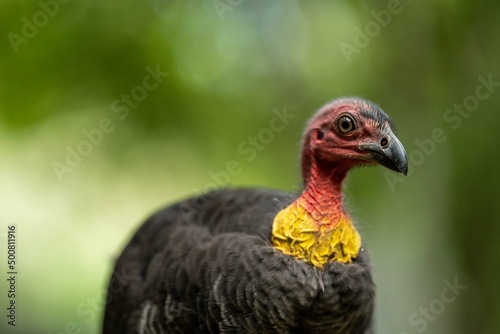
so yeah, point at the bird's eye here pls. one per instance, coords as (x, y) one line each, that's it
(345, 124)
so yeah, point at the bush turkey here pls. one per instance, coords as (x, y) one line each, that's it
(260, 260)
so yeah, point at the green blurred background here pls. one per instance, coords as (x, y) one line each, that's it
(67, 68)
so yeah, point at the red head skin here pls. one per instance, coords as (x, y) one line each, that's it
(328, 153)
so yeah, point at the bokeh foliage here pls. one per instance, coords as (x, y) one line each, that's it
(229, 67)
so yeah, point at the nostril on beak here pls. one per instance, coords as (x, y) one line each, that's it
(384, 142)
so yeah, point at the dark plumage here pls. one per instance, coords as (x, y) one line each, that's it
(213, 264)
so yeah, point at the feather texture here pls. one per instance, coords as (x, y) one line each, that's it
(206, 265)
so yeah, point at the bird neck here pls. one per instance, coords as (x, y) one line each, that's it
(322, 196)
(315, 227)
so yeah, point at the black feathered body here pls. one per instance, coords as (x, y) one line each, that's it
(207, 265)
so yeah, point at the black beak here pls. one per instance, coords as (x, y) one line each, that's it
(389, 152)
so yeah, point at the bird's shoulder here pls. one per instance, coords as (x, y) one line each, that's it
(239, 210)
(216, 217)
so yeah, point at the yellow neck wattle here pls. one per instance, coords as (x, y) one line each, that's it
(295, 232)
